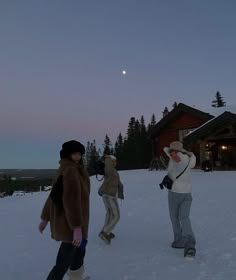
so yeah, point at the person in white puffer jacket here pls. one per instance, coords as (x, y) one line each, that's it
(180, 197)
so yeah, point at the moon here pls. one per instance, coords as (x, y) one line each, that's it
(124, 72)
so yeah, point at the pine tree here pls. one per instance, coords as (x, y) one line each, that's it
(130, 143)
(143, 146)
(152, 123)
(119, 151)
(165, 112)
(175, 104)
(219, 101)
(119, 147)
(131, 128)
(124, 161)
(116, 150)
(92, 156)
(137, 145)
(149, 141)
(142, 126)
(137, 128)
(107, 146)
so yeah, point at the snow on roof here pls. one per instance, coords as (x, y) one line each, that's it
(196, 129)
(216, 112)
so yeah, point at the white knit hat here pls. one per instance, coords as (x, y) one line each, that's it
(113, 157)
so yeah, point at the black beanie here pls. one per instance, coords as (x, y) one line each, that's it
(71, 147)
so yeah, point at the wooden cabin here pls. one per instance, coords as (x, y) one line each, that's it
(210, 138)
(217, 141)
(175, 126)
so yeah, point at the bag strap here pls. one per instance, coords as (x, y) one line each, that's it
(98, 178)
(183, 171)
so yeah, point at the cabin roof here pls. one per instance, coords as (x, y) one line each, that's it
(181, 108)
(211, 126)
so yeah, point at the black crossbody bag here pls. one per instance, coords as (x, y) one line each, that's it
(167, 182)
(56, 194)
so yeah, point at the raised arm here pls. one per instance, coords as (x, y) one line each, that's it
(192, 157)
(166, 150)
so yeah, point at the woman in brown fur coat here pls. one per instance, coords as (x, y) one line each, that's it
(67, 210)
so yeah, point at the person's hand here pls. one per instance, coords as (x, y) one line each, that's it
(43, 224)
(77, 237)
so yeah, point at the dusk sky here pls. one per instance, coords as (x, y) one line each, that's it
(61, 66)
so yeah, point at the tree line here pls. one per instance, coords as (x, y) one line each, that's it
(133, 150)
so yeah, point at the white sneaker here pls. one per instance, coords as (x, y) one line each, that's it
(78, 274)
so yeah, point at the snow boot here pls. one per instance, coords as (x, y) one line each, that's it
(112, 235)
(105, 237)
(78, 274)
(189, 252)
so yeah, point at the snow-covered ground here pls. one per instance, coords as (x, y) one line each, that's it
(141, 250)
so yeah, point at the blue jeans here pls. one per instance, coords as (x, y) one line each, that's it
(69, 257)
(179, 208)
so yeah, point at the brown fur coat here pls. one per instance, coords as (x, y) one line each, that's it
(76, 191)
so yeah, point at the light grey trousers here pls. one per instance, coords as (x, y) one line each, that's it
(112, 213)
(179, 208)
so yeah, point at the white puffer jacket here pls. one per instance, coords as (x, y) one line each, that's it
(182, 184)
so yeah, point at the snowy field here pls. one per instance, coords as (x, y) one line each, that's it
(142, 249)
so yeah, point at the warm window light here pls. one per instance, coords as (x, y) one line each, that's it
(224, 147)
